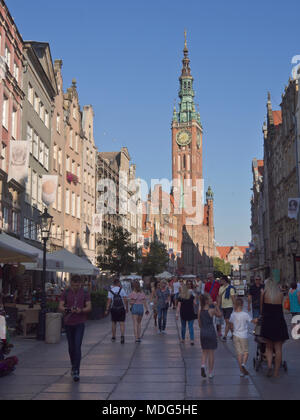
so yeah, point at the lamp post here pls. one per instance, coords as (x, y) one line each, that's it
(293, 244)
(45, 222)
(240, 267)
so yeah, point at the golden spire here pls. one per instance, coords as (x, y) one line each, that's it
(185, 43)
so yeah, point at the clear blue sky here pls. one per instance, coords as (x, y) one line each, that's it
(126, 57)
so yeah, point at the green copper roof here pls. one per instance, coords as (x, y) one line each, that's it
(187, 111)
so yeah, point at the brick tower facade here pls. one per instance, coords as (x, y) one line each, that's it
(196, 226)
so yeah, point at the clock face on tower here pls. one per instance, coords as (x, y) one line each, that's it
(183, 138)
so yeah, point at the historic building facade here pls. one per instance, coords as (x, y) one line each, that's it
(40, 90)
(273, 230)
(88, 188)
(11, 97)
(196, 224)
(58, 156)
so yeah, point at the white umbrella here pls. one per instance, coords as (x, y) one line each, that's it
(164, 275)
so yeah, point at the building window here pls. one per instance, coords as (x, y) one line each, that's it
(42, 111)
(59, 197)
(41, 154)
(73, 204)
(58, 123)
(36, 103)
(78, 209)
(14, 124)
(30, 137)
(47, 119)
(67, 201)
(74, 112)
(46, 158)
(60, 162)
(71, 139)
(73, 168)
(30, 93)
(26, 228)
(55, 157)
(35, 147)
(3, 157)
(34, 187)
(39, 189)
(16, 72)
(5, 113)
(28, 187)
(78, 172)
(77, 143)
(15, 222)
(7, 56)
(68, 164)
(67, 239)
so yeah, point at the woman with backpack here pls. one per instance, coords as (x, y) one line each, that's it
(226, 300)
(117, 303)
(137, 301)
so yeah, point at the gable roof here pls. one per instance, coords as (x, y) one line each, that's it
(277, 117)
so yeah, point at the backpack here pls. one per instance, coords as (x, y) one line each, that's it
(117, 303)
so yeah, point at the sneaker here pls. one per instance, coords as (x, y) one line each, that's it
(224, 339)
(211, 375)
(113, 339)
(203, 373)
(242, 375)
(245, 371)
(122, 340)
(76, 377)
(163, 332)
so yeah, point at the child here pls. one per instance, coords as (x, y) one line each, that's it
(208, 336)
(239, 322)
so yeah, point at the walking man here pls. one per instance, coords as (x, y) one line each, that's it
(163, 301)
(254, 297)
(117, 303)
(75, 303)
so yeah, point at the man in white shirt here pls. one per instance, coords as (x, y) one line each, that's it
(176, 288)
(117, 303)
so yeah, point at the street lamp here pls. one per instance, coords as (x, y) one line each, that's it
(45, 222)
(240, 267)
(293, 244)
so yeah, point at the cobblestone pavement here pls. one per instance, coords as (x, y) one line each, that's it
(160, 368)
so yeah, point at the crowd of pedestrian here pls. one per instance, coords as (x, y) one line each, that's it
(212, 302)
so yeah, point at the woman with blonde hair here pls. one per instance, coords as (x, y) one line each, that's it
(185, 307)
(273, 328)
(137, 301)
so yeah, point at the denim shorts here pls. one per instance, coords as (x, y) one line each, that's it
(137, 309)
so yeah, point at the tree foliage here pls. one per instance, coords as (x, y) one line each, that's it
(157, 259)
(221, 267)
(120, 253)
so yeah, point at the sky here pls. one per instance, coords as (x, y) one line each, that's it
(126, 57)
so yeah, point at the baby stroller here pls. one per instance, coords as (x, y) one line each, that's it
(7, 365)
(261, 350)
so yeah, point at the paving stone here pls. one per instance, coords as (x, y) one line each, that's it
(153, 378)
(67, 397)
(158, 396)
(77, 388)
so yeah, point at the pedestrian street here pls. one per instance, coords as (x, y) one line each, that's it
(159, 368)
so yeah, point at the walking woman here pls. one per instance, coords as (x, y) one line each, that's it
(155, 287)
(185, 307)
(163, 301)
(137, 301)
(208, 336)
(273, 328)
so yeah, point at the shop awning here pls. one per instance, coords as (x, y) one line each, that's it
(36, 254)
(74, 264)
(12, 252)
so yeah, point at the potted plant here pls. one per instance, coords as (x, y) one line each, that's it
(98, 300)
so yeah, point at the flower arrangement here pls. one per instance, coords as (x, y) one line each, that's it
(8, 365)
(72, 178)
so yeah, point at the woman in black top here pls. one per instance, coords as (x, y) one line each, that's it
(187, 312)
(273, 328)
